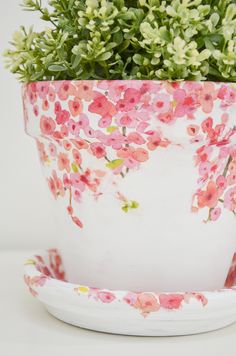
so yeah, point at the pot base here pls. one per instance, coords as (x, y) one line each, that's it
(124, 312)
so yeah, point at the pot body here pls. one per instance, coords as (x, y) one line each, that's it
(142, 176)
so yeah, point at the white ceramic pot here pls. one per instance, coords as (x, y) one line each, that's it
(143, 178)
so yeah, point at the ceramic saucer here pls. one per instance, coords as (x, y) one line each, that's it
(125, 312)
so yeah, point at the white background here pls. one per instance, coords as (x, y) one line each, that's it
(24, 215)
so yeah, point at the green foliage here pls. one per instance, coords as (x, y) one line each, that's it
(145, 39)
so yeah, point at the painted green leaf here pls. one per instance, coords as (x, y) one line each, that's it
(125, 208)
(75, 168)
(115, 163)
(111, 129)
(134, 204)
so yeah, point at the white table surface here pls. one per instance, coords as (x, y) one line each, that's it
(27, 329)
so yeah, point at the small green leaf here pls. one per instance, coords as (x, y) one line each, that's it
(75, 168)
(115, 163)
(111, 129)
(104, 56)
(56, 68)
(118, 38)
(138, 59)
(125, 208)
(134, 204)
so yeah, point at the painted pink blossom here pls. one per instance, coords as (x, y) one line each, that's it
(228, 95)
(67, 145)
(198, 296)
(231, 179)
(57, 107)
(105, 297)
(56, 185)
(135, 137)
(45, 105)
(208, 197)
(42, 153)
(215, 214)
(47, 125)
(66, 181)
(161, 103)
(98, 149)
(32, 93)
(36, 110)
(102, 106)
(52, 150)
(83, 121)
(150, 86)
(130, 162)
(105, 121)
(51, 94)
(230, 199)
(167, 117)
(186, 103)
(130, 298)
(115, 140)
(142, 126)
(63, 162)
(207, 97)
(75, 107)
(207, 125)
(221, 182)
(193, 130)
(62, 117)
(77, 156)
(125, 152)
(35, 281)
(126, 120)
(76, 195)
(77, 182)
(232, 166)
(114, 89)
(42, 89)
(146, 303)
(84, 90)
(64, 131)
(140, 155)
(204, 168)
(77, 221)
(171, 301)
(80, 144)
(73, 127)
(65, 89)
(155, 140)
(89, 132)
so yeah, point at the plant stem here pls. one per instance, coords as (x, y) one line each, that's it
(227, 166)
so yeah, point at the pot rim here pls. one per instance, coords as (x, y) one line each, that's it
(130, 80)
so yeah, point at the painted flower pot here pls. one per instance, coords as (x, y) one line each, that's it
(142, 176)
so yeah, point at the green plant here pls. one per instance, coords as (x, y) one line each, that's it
(145, 39)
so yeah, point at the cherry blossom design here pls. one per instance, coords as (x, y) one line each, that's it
(121, 125)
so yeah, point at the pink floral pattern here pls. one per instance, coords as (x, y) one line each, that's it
(123, 124)
(34, 282)
(51, 267)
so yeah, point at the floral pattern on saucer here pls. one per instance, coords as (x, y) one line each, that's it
(50, 268)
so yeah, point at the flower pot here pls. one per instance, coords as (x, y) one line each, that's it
(142, 176)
